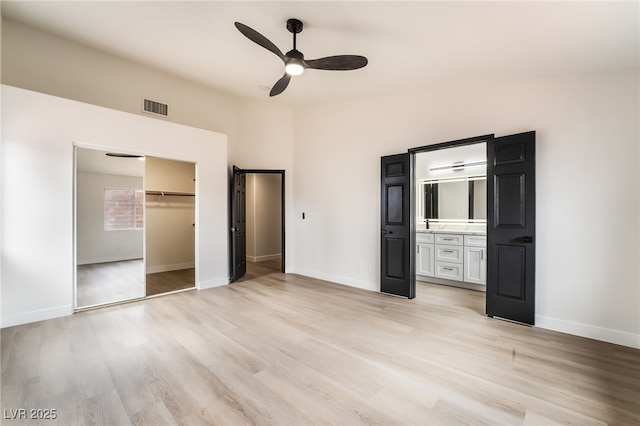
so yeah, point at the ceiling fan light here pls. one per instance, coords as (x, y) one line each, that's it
(294, 68)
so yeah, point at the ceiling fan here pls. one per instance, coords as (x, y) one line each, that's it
(294, 61)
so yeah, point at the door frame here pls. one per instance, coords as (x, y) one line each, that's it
(436, 147)
(280, 172)
(452, 144)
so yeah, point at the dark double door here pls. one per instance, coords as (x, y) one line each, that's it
(510, 227)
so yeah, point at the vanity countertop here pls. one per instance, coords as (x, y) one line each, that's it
(447, 231)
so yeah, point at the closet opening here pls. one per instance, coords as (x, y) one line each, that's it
(134, 227)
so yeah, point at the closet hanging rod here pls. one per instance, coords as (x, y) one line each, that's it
(178, 194)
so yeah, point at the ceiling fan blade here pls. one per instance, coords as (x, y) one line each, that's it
(280, 85)
(258, 38)
(338, 63)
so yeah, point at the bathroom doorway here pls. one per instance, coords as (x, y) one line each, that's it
(451, 215)
(507, 251)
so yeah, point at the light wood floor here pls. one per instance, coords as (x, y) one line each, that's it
(101, 283)
(164, 282)
(259, 269)
(289, 350)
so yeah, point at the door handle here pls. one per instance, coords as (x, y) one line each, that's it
(527, 239)
(385, 232)
(235, 229)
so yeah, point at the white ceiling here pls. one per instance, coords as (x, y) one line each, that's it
(410, 45)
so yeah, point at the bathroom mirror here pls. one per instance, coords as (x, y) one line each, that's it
(455, 200)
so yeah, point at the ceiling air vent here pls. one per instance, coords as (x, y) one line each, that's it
(153, 107)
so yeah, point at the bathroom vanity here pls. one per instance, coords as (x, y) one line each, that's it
(451, 241)
(456, 258)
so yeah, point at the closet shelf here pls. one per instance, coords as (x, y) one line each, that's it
(173, 193)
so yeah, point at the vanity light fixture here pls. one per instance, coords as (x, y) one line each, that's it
(458, 166)
(460, 179)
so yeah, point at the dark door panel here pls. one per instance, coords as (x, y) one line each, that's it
(238, 229)
(509, 193)
(396, 267)
(511, 266)
(511, 227)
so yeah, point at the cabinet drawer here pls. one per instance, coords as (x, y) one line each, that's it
(475, 240)
(450, 239)
(422, 237)
(449, 271)
(449, 253)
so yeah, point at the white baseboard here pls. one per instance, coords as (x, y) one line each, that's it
(218, 282)
(577, 329)
(255, 259)
(108, 259)
(35, 316)
(166, 268)
(592, 332)
(365, 285)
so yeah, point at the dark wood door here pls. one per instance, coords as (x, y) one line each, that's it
(397, 274)
(511, 201)
(238, 219)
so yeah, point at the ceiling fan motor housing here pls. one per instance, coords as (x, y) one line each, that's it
(294, 25)
(295, 53)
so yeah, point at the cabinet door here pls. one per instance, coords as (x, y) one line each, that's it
(475, 265)
(424, 260)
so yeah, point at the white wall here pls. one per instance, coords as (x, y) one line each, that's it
(588, 186)
(265, 135)
(94, 244)
(38, 135)
(170, 234)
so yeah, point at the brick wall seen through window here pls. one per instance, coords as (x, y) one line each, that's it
(123, 209)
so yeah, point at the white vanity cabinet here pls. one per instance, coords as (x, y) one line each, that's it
(425, 255)
(452, 257)
(475, 259)
(449, 256)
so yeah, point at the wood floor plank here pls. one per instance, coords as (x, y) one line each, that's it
(282, 349)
